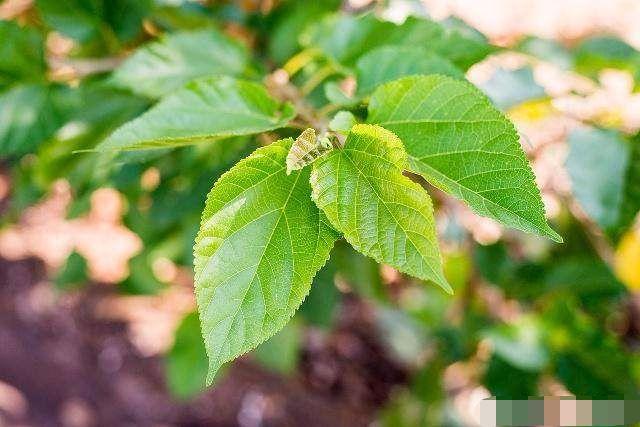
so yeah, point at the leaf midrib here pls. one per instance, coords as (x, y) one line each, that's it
(435, 274)
(141, 144)
(235, 315)
(450, 181)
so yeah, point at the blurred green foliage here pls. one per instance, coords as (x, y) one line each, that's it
(572, 323)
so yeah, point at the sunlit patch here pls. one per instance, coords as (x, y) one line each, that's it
(627, 260)
(45, 233)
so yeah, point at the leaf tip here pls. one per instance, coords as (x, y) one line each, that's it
(445, 285)
(211, 375)
(554, 236)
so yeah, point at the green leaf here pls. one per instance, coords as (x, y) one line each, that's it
(604, 168)
(92, 113)
(342, 122)
(631, 197)
(598, 53)
(462, 44)
(163, 66)
(291, 20)
(579, 345)
(260, 243)
(204, 110)
(29, 116)
(520, 343)
(345, 38)
(403, 335)
(182, 16)
(281, 352)
(586, 277)
(389, 63)
(320, 307)
(382, 213)
(548, 50)
(360, 273)
(21, 53)
(73, 273)
(85, 20)
(597, 164)
(336, 96)
(141, 279)
(509, 88)
(125, 16)
(73, 18)
(461, 144)
(507, 381)
(186, 362)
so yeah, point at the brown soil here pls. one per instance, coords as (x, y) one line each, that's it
(74, 369)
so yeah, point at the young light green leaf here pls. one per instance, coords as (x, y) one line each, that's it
(388, 63)
(463, 145)
(205, 110)
(163, 66)
(306, 149)
(337, 96)
(342, 122)
(260, 243)
(382, 213)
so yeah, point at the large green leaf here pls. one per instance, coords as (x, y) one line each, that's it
(29, 116)
(21, 53)
(460, 143)
(601, 169)
(163, 66)
(204, 110)
(345, 38)
(382, 213)
(389, 63)
(92, 112)
(260, 243)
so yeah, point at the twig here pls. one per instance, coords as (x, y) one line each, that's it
(65, 69)
(279, 87)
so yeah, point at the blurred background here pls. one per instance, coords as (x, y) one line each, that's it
(97, 322)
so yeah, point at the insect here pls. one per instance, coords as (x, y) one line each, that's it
(307, 148)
